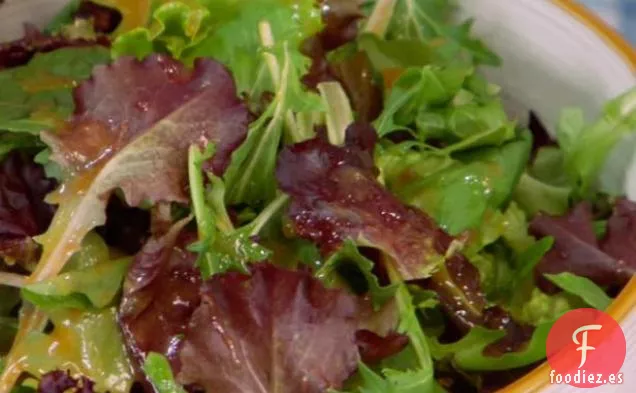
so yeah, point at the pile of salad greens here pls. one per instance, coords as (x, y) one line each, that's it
(301, 196)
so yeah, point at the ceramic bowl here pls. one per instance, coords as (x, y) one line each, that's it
(556, 54)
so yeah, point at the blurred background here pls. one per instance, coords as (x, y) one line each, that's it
(619, 13)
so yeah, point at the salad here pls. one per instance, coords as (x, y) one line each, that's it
(296, 196)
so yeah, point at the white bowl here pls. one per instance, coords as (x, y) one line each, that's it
(556, 54)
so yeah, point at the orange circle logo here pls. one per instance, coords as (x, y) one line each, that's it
(586, 348)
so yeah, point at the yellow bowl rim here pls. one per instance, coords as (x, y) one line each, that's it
(539, 378)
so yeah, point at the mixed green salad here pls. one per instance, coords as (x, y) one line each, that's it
(288, 196)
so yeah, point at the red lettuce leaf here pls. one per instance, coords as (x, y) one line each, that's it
(576, 249)
(620, 239)
(19, 52)
(23, 212)
(62, 382)
(274, 331)
(120, 102)
(335, 196)
(160, 294)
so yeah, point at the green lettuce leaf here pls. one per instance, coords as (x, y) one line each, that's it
(536, 196)
(176, 27)
(427, 20)
(582, 287)
(539, 307)
(159, 373)
(87, 343)
(37, 96)
(89, 288)
(586, 147)
(457, 193)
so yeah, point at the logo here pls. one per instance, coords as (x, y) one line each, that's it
(586, 348)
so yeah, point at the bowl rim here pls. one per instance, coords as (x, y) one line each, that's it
(539, 378)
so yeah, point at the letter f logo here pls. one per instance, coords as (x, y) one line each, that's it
(584, 348)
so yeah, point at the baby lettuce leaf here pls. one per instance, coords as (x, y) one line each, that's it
(87, 343)
(274, 330)
(85, 289)
(132, 128)
(160, 294)
(38, 96)
(587, 146)
(158, 371)
(583, 288)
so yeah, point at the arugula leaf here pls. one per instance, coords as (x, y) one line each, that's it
(586, 147)
(468, 353)
(92, 287)
(419, 375)
(89, 343)
(394, 54)
(394, 381)
(448, 104)
(220, 246)
(37, 96)
(427, 20)
(417, 88)
(159, 373)
(335, 269)
(582, 287)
